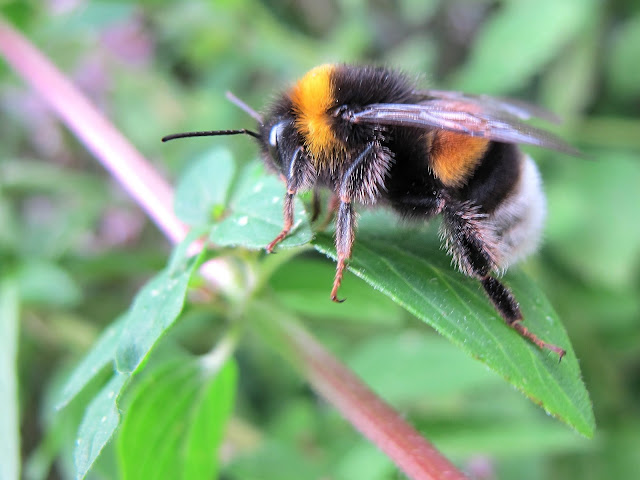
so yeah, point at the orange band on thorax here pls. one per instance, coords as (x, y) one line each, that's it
(312, 98)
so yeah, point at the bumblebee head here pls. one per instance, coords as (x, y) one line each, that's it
(278, 138)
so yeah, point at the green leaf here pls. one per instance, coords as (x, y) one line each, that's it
(59, 428)
(45, 283)
(203, 189)
(155, 309)
(176, 420)
(275, 460)
(98, 425)
(571, 225)
(101, 354)
(623, 73)
(504, 56)
(129, 340)
(10, 417)
(10, 229)
(255, 214)
(417, 275)
(31, 176)
(364, 460)
(379, 360)
(504, 438)
(303, 286)
(576, 67)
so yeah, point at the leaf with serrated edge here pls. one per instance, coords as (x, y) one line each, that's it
(301, 285)
(379, 359)
(419, 277)
(154, 310)
(204, 187)
(129, 340)
(104, 349)
(98, 425)
(255, 214)
(100, 355)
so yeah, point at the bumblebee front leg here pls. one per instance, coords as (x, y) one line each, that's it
(345, 228)
(475, 249)
(300, 175)
(288, 220)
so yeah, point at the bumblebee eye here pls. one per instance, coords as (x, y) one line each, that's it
(274, 134)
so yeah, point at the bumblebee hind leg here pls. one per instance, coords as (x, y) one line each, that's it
(475, 248)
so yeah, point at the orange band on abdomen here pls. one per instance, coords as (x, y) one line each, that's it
(454, 156)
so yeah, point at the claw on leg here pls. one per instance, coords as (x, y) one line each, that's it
(281, 236)
(338, 280)
(345, 226)
(524, 331)
(508, 307)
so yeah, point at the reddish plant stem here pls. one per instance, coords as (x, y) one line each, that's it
(367, 412)
(358, 404)
(100, 137)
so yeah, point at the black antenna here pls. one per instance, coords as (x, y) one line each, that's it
(211, 133)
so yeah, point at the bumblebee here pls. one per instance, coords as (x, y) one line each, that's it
(371, 137)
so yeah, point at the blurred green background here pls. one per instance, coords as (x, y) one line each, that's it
(80, 248)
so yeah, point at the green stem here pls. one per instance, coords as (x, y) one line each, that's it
(213, 361)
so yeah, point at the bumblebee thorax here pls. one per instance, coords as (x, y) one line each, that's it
(313, 98)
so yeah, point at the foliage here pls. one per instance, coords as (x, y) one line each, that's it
(182, 369)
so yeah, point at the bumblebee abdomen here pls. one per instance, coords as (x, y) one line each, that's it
(454, 156)
(494, 178)
(519, 219)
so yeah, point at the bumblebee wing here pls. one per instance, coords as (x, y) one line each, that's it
(456, 116)
(518, 108)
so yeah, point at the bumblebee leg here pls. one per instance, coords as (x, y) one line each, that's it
(315, 205)
(473, 246)
(508, 307)
(345, 223)
(345, 226)
(299, 177)
(332, 207)
(288, 220)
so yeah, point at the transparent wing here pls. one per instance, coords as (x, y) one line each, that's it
(518, 108)
(475, 119)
